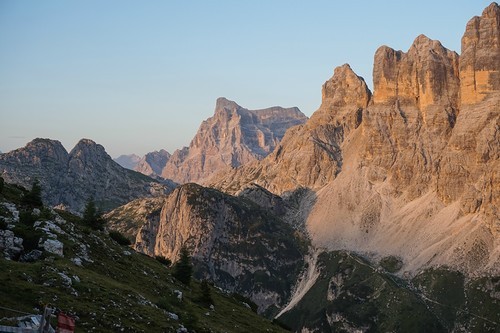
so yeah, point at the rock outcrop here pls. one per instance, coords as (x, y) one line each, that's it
(232, 137)
(153, 163)
(70, 179)
(410, 171)
(235, 243)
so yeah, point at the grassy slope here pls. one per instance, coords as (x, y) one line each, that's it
(117, 292)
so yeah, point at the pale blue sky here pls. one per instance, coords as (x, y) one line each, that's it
(138, 76)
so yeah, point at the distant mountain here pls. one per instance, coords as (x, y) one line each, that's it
(70, 179)
(153, 163)
(232, 137)
(128, 161)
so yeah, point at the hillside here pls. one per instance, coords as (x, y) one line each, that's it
(105, 286)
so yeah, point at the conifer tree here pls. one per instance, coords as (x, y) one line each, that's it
(34, 197)
(206, 295)
(183, 268)
(91, 216)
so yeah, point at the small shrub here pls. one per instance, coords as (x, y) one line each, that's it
(164, 304)
(165, 261)
(247, 300)
(119, 238)
(46, 214)
(27, 218)
(391, 264)
(30, 236)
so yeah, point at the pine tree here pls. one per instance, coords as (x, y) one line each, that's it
(206, 295)
(92, 217)
(183, 268)
(34, 197)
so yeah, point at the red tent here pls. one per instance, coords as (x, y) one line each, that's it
(65, 323)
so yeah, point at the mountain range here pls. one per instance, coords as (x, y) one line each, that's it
(379, 213)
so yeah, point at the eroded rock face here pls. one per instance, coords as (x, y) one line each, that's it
(427, 75)
(479, 69)
(232, 137)
(71, 179)
(238, 245)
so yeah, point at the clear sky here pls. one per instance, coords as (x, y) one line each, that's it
(138, 76)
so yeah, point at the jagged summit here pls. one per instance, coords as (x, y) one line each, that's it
(88, 149)
(492, 11)
(345, 88)
(479, 69)
(224, 103)
(233, 136)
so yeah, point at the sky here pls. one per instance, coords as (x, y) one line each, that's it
(139, 76)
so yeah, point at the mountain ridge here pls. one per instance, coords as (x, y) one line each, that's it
(70, 179)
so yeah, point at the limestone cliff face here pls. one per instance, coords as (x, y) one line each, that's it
(71, 179)
(470, 166)
(153, 163)
(232, 137)
(479, 69)
(237, 244)
(411, 171)
(427, 75)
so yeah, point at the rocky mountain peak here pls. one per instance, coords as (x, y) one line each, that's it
(425, 76)
(492, 11)
(88, 146)
(44, 149)
(223, 103)
(345, 88)
(128, 161)
(479, 69)
(233, 136)
(153, 163)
